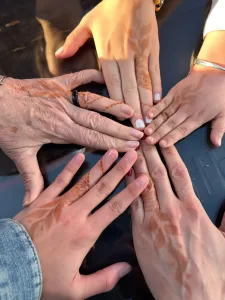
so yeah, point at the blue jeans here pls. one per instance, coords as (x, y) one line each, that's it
(20, 270)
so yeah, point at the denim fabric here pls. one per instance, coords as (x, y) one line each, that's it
(20, 270)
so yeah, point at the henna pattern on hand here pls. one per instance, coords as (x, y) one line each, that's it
(86, 99)
(163, 228)
(139, 42)
(48, 214)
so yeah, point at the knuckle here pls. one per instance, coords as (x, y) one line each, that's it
(140, 160)
(120, 168)
(114, 81)
(95, 121)
(130, 87)
(59, 181)
(183, 130)
(159, 172)
(103, 188)
(115, 207)
(178, 172)
(165, 115)
(171, 124)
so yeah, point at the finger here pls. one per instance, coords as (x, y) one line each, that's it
(102, 281)
(179, 133)
(28, 168)
(90, 179)
(178, 174)
(63, 179)
(222, 226)
(173, 122)
(159, 176)
(130, 92)
(99, 103)
(109, 182)
(149, 198)
(74, 41)
(96, 122)
(137, 208)
(161, 119)
(218, 129)
(111, 75)
(79, 78)
(161, 106)
(154, 71)
(118, 204)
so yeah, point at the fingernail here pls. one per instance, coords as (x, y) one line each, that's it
(163, 143)
(141, 181)
(147, 120)
(125, 271)
(79, 157)
(127, 110)
(132, 144)
(157, 97)
(59, 51)
(137, 134)
(137, 148)
(112, 153)
(26, 199)
(140, 124)
(129, 173)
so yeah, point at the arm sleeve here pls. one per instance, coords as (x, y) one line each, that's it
(216, 17)
(20, 271)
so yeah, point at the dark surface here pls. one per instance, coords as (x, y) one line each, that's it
(22, 55)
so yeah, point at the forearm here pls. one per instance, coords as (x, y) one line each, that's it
(20, 272)
(213, 48)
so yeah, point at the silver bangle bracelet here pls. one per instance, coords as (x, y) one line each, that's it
(205, 63)
(2, 78)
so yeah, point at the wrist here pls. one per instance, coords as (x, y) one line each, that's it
(213, 48)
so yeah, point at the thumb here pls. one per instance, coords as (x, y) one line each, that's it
(33, 181)
(104, 280)
(74, 41)
(218, 129)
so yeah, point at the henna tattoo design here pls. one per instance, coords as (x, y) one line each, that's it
(139, 41)
(86, 99)
(162, 227)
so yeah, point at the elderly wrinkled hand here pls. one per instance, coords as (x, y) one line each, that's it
(35, 112)
(180, 251)
(126, 38)
(64, 229)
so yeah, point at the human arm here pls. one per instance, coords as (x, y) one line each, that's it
(180, 251)
(35, 112)
(59, 231)
(127, 43)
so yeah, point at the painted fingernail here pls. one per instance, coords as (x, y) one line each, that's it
(132, 144)
(141, 181)
(129, 173)
(59, 51)
(157, 97)
(137, 148)
(147, 120)
(140, 124)
(136, 133)
(163, 143)
(125, 271)
(127, 110)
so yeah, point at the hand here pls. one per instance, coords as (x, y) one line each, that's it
(194, 101)
(35, 112)
(180, 251)
(71, 229)
(127, 43)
